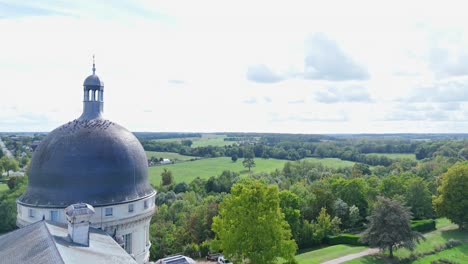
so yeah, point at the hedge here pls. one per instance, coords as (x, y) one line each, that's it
(348, 239)
(423, 225)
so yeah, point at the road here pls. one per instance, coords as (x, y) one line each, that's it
(6, 152)
(349, 257)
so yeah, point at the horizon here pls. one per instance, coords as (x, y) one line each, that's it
(337, 68)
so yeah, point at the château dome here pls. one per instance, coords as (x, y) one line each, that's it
(90, 160)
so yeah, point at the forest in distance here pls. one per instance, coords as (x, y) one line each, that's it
(318, 205)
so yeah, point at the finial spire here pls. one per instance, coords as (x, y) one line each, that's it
(94, 66)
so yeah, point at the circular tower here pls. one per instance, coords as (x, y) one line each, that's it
(95, 161)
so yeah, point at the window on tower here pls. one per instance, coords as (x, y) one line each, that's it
(131, 208)
(108, 211)
(31, 213)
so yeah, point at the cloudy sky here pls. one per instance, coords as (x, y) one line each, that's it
(248, 66)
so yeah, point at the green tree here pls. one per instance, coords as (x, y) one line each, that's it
(234, 158)
(391, 186)
(290, 204)
(187, 142)
(250, 225)
(325, 226)
(418, 198)
(452, 200)
(354, 216)
(390, 227)
(248, 163)
(9, 164)
(166, 177)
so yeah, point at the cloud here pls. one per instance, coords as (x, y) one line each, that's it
(177, 82)
(296, 101)
(450, 90)
(263, 74)
(445, 63)
(311, 117)
(15, 11)
(251, 100)
(325, 60)
(343, 94)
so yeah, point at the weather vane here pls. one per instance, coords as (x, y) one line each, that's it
(94, 66)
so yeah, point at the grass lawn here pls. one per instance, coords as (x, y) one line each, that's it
(3, 187)
(203, 141)
(327, 253)
(445, 231)
(205, 168)
(168, 155)
(458, 254)
(410, 156)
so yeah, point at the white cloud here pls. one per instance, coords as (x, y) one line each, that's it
(182, 66)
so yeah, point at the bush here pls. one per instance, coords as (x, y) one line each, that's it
(192, 250)
(348, 239)
(205, 248)
(423, 225)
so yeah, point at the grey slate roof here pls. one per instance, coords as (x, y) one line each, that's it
(31, 244)
(43, 242)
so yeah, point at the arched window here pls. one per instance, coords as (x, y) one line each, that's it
(96, 95)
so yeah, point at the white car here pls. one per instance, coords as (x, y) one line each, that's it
(222, 260)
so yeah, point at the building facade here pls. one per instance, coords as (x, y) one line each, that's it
(95, 161)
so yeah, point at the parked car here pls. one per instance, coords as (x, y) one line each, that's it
(222, 260)
(178, 259)
(213, 256)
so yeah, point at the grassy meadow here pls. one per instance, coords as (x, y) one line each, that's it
(445, 231)
(168, 155)
(205, 168)
(203, 141)
(327, 253)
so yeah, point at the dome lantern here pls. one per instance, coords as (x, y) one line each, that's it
(93, 96)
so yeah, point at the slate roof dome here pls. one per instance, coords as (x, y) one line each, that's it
(93, 80)
(90, 160)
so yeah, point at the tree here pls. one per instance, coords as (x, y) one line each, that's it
(354, 216)
(390, 227)
(452, 200)
(234, 158)
(325, 226)
(290, 204)
(9, 164)
(418, 198)
(187, 142)
(167, 178)
(248, 163)
(250, 225)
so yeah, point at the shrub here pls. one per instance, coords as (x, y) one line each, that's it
(348, 239)
(423, 225)
(452, 243)
(205, 248)
(191, 250)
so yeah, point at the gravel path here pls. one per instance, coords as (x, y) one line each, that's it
(366, 252)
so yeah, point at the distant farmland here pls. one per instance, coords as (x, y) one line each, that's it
(205, 168)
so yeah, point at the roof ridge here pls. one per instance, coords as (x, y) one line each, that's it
(53, 240)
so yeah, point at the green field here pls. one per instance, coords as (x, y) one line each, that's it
(327, 253)
(203, 141)
(205, 168)
(410, 156)
(168, 155)
(445, 231)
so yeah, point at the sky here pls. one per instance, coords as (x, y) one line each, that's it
(311, 67)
